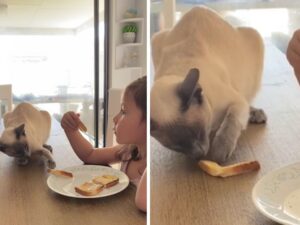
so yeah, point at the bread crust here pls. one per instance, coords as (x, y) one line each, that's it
(214, 169)
(82, 127)
(106, 180)
(89, 189)
(61, 173)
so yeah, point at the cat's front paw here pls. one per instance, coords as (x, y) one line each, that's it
(221, 149)
(48, 147)
(51, 164)
(257, 116)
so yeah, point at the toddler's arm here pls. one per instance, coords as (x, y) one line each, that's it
(82, 147)
(141, 193)
(293, 53)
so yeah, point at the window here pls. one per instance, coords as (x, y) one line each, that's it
(47, 54)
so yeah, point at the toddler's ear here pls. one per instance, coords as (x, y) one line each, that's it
(20, 131)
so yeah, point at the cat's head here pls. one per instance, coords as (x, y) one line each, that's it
(13, 142)
(180, 114)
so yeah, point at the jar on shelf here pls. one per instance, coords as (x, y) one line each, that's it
(134, 58)
(131, 58)
(130, 13)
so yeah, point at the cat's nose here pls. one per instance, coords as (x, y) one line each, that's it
(20, 153)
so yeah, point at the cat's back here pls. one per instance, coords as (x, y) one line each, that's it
(200, 35)
(25, 109)
(26, 112)
(201, 24)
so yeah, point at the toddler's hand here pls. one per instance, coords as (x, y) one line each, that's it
(293, 53)
(70, 121)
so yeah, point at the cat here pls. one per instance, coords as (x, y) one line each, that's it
(206, 75)
(26, 132)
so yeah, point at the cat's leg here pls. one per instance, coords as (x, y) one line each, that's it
(257, 115)
(224, 142)
(49, 147)
(45, 153)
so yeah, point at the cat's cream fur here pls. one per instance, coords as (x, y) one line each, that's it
(206, 74)
(26, 132)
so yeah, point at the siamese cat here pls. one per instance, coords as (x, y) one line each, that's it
(26, 132)
(206, 75)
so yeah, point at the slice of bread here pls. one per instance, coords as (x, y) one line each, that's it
(61, 173)
(89, 189)
(82, 127)
(106, 180)
(214, 169)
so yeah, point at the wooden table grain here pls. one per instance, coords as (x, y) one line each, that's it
(183, 194)
(25, 198)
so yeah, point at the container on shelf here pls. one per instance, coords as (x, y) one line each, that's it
(130, 13)
(129, 37)
(129, 32)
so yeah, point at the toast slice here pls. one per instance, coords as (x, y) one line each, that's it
(61, 173)
(89, 189)
(214, 169)
(82, 127)
(106, 180)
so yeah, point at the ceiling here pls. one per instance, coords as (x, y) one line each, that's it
(45, 14)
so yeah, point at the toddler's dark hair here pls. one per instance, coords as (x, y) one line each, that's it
(138, 89)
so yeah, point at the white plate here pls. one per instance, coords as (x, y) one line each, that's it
(84, 173)
(277, 195)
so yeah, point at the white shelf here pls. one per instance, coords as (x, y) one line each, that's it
(129, 44)
(130, 68)
(127, 60)
(129, 20)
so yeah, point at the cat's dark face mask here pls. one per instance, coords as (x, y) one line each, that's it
(18, 150)
(182, 137)
(17, 145)
(188, 132)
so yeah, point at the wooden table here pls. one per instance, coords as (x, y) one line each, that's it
(182, 194)
(25, 198)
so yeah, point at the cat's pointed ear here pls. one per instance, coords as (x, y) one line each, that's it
(189, 90)
(20, 131)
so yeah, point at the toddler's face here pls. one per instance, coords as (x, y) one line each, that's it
(129, 127)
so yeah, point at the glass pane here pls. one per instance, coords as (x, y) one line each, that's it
(47, 54)
(101, 71)
(274, 20)
(3, 108)
(155, 16)
(156, 23)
